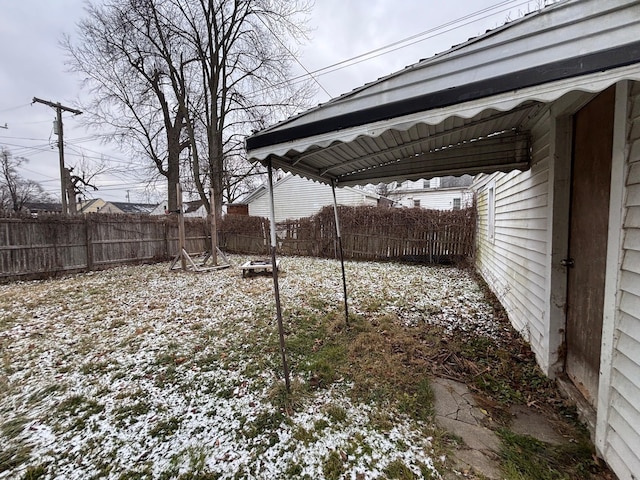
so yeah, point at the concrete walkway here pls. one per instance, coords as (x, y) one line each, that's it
(457, 411)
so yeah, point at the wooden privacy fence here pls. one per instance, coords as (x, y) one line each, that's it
(49, 245)
(368, 233)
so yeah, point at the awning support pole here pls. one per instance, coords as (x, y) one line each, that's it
(276, 286)
(344, 278)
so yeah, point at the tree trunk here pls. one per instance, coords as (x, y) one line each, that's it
(173, 179)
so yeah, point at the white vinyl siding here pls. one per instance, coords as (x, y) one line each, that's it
(513, 260)
(296, 197)
(437, 199)
(623, 438)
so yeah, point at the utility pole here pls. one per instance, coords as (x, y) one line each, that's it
(59, 108)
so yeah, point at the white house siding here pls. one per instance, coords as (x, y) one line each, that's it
(296, 197)
(514, 263)
(622, 446)
(438, 199)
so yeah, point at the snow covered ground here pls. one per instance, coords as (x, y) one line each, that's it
(138, 372)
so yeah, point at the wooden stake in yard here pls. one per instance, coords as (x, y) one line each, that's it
(181, 232)
(344, 278)
(214, 228)
(185, 259)
(276, 287)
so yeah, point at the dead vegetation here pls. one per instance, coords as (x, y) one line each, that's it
(163, 374)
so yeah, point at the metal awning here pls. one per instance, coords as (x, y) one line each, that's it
(481, 136)
(467, 110)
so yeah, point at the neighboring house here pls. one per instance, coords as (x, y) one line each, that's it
(194, 208)
(553, 101)
(35, 208)
(135, 208)
(297, 197)
(438, 193)
(98, 205)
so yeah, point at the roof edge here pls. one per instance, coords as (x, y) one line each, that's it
(555, 71)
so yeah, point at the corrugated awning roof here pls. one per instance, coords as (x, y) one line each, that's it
(467, 110)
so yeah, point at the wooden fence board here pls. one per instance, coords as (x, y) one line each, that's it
(35, 248)
(48, 245)
(367, 233)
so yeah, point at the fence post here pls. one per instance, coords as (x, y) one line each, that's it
(165, 224)
(88, 228)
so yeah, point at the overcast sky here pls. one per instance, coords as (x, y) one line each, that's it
(33, 65)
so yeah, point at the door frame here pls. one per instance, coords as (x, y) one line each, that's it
(560, 177)
(615, 252)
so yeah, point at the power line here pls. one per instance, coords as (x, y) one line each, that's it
(366, 55)
(11, 109)
(294, 57)
(387, 49)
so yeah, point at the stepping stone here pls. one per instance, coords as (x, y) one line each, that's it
(527, 421)
(457, 412)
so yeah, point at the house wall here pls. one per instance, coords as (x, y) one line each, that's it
(513, 256)
(298, 198)
(521, 263)
(439, 199)
(620, 439)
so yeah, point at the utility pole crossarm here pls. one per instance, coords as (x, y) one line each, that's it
(56, 106)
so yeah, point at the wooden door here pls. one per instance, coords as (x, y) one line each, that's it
(589, 223)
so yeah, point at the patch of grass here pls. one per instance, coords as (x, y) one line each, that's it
(336, 413)
(333, 466)
(117, 323)
(126, 414)
(288, 401)
(166, 376)
(320, 424)
(195, 459)
(143, 473)
(525, 458)
(301, 434)
(358, 446)
(6, 359)
(427, 473)
(265, 425)
(78, 410)
(35, 473)
(399, 470)
(315, 347)
(293, 470)
(419, 403)
(46, 391)
(200, 476)
(373, 304)
(14, 427)
(13, 456)
(94, 367)
(165, 428)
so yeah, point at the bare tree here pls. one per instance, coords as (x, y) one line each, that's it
(16, 191)
(202, 73)
(243, 62)
(124, 74)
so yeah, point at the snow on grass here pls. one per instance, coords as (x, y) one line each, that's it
(138, 372)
